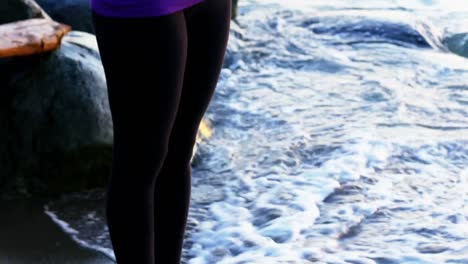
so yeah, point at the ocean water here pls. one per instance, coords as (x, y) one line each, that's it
(340, 135)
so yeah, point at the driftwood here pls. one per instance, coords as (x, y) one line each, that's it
(31, 36)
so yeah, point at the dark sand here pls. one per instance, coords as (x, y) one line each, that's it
(28, 235)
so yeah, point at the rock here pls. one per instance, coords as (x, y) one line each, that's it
(30, 36)
(234, 9)
(14, 10)
(55, 120)
(458, 44)
(76, 13)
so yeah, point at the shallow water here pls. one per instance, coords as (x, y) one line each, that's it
(340, 136)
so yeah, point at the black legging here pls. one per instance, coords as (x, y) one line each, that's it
(161, 74)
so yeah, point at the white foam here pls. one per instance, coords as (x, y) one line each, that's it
(74, 234)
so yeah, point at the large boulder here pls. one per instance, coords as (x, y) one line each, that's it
(14, 10)
(76, 13)
(55, 120)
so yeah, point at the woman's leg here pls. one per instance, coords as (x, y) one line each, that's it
(144, 61)
(208, 32)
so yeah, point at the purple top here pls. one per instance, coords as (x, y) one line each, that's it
(139, 8)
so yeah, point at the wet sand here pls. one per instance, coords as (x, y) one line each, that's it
(28, 235)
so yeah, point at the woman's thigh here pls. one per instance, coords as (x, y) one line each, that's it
(208, 25)
(144, 61)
